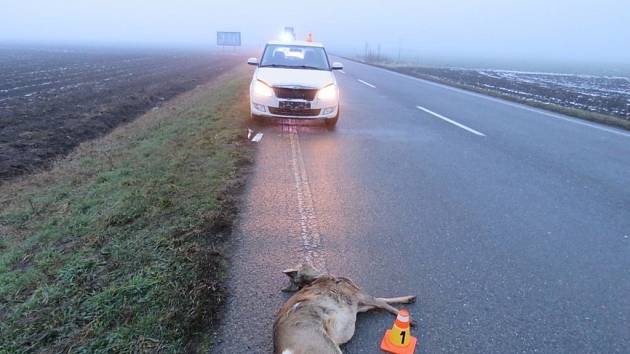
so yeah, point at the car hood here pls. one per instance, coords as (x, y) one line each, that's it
(295, 77)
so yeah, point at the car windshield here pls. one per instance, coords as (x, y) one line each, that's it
(294, 56)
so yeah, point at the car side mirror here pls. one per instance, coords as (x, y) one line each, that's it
(337, 66)
(252, 61)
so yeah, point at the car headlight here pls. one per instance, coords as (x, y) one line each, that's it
(328, 93)
(262, 90)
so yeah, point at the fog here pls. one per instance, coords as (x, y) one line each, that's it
(561, 30)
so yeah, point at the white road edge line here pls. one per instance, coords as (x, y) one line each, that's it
(508, 103)
(450, 121)
(366, 83)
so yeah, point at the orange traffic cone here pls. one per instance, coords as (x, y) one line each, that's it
(399, 340)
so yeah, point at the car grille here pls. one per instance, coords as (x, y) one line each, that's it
(294, 113)
(295, 93)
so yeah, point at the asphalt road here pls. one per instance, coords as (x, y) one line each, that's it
(510, 224)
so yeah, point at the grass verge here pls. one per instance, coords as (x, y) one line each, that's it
(574, 112)
(118, 247)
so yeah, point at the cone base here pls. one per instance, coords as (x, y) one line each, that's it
(387, 347)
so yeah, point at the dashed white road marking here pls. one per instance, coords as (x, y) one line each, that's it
(343, 72)
(508, 103)
(366, 83)
(450, 121)
(309, 229)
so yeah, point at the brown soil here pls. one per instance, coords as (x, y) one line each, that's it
(52, 100)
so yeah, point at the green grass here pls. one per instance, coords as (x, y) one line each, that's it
(118, 247)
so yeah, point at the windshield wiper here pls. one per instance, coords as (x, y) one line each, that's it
(275, 66)
(308, 67)
(291, 66)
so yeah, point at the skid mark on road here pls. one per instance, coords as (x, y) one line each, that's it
(309, 231)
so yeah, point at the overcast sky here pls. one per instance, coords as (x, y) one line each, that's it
(582, 30)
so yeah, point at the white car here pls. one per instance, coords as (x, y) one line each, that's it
(294, 80)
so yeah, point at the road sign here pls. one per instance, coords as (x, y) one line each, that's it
(229, 39)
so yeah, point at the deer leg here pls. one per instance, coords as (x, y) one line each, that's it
(365, 308)
(367, 303)
(399, 300)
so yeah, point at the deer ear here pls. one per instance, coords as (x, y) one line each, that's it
(291, 273)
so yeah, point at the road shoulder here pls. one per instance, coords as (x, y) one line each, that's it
(119, 247)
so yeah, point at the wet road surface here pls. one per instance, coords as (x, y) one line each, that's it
(510, 224)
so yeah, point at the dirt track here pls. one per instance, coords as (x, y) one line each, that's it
(51, 99)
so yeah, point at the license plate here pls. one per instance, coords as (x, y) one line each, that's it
(295, 106)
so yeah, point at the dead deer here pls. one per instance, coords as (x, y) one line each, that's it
(322, 314)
